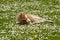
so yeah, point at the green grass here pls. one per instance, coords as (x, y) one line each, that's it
(9, 30)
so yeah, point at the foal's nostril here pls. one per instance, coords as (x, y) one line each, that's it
(23, 20)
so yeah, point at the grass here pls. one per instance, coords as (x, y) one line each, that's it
(9, 30)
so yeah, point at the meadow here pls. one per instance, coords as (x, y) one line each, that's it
(10, 30)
